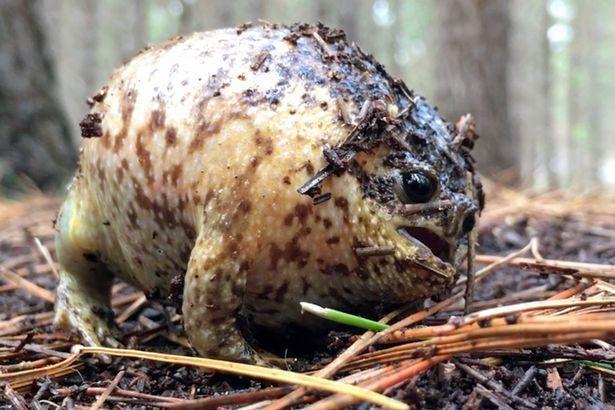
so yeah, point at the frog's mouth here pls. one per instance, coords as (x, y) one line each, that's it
(426, 238)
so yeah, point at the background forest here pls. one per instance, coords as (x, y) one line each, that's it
(537, 74)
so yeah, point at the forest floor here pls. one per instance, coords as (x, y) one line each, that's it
(557, 353)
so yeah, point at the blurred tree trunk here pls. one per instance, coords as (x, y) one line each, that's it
(529, 91)
(584, 97)
(35, 136)
(471, 74)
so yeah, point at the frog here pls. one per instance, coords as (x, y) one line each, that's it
(235, 173)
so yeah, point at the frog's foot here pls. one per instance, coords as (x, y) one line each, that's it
(84, 311)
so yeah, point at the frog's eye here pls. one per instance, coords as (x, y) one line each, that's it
(417, 187)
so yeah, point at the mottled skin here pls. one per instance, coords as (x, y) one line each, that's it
(198, 147)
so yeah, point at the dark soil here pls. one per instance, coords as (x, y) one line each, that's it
(445, 386)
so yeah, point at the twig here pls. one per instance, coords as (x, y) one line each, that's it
(368, 251)
(494, 385)
(131, 309)
(26, 285)
(47, 255)
(95, 391)
(525, 380)
(493, 397)
(471, 275)
(103, 397)
(231, 399)
(588, 270)
(380, 383)
(15, 398)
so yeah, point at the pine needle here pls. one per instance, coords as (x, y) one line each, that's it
(273, 374)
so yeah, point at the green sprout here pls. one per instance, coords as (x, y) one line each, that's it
(596, 364)
(342, 317)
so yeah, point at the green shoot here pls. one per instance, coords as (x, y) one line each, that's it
(342, 317)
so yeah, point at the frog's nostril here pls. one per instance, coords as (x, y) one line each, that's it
(468, 223)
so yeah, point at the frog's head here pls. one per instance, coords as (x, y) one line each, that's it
(421, 183)
(417, 209)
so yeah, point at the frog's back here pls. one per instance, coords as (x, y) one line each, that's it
(179, 130)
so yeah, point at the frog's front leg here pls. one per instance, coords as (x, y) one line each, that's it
(213, 297)
(82, 302)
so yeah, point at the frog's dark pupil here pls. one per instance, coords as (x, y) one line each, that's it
(417, 186)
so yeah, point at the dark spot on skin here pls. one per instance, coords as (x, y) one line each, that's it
(100, 170)
(170, 137)
(361, 273)
(265, 142)
(90, 257)
(333, 240)
(291, 252)
(176, 173)
(216, 321)
(254, 162)
(309, 168)
(244, 206)
(288, 219)
(301, 212)
(305, 285)
(144, 158)
(286, 180)
(341, 203)
(204, 130)
(127, 107)
(119, 173)
(133, 218)
(281, 291)
(337, 269)
(338, 296)
(156, 120)
(327, 223)
(266, 292)
(154, 235)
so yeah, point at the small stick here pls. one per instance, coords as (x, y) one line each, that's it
(592, 270)
(469, 294)
(15, 398)
(103, 397)
(231, 399)
(494, 385)
(494, 398)
(528, 376)
(95, 391)
(26, 285)
(375, 251)
(45, 252)
(27, 339)
(131, 309)
(410, 209)
(323, 45)
(322, 198)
